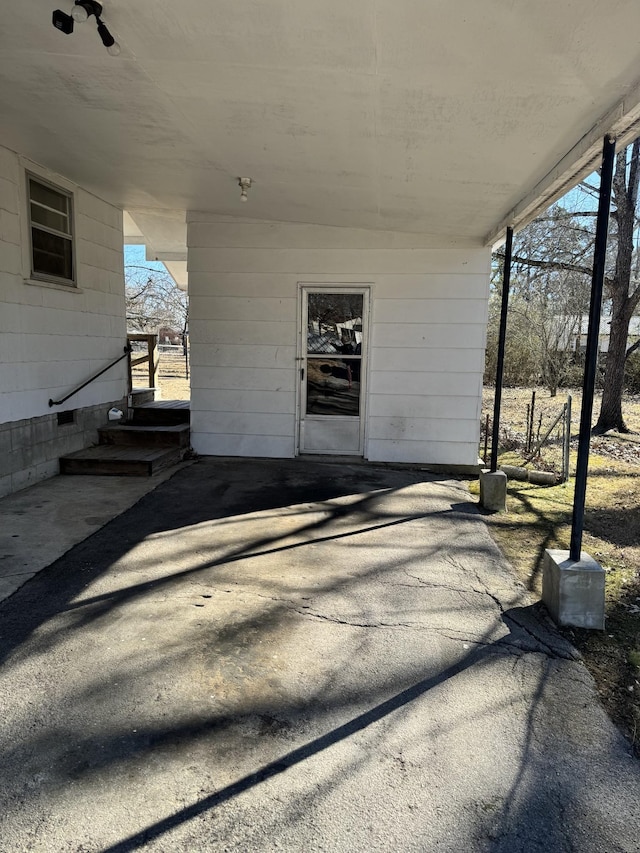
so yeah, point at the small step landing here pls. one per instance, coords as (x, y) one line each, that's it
(156, 437)
(164, 435)
(120, 460)
(162, 412)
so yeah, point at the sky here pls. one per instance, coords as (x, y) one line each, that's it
(134, 255)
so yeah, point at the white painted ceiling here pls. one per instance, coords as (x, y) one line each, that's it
(430, 116)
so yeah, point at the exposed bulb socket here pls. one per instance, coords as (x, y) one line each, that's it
(244, 184)
(82, 9)
(79, 14)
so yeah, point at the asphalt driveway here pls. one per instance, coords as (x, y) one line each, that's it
(300, 656)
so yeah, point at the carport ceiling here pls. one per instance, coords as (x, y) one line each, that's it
(426, 116)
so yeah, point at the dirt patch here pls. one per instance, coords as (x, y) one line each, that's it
(172, 376)
(539, 517)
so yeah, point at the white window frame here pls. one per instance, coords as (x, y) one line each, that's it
(59, 184)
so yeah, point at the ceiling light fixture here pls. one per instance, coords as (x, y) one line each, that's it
(81, 11)
(244, 184)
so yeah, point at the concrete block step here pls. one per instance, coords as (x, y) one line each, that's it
(168, 435)
(121, 461)
(162, 412)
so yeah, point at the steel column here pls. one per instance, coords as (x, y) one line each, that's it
(506, 280)
(597, 281)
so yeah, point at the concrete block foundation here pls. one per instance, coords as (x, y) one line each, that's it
(573, 590)
(30, 449)
(493, 490)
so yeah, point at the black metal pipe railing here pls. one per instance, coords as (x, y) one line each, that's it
(127, 350)
(597, 282)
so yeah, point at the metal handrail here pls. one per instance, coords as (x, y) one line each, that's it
(127, 350)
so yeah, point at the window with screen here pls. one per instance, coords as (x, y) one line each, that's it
(51, 227)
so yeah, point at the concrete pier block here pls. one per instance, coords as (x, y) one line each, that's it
(493, 490)
(573, 590)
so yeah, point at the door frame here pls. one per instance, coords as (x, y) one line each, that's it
(305, 287)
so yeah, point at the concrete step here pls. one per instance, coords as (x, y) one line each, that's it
(162, 413)
(171, 435)
(120, 460)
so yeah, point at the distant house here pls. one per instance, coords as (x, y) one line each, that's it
(579, 338)
(167, 335)
(381, 150)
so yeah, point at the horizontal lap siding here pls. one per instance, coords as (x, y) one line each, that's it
(426, 359)
(451, 335)
(222, 233)
(426, 368)
(243, 347)
(237, 400)
(394, 428)
(335, 262)
(245, 378)
(400, 383)
(247, 333)
(428, 310)
(247, 308)
(210, 443)
(426, 406)
(419, 360)
(53, 339)
(427, 452)
(238, 355)
(251, 423)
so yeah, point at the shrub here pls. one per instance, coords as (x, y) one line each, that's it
(632, 374)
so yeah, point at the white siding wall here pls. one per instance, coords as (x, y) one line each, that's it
(52, 338)
(429, 315)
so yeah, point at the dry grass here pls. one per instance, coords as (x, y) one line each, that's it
(172, 379)
(539, 517)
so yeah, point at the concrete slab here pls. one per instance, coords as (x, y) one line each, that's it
(289, 655)
(39, 524)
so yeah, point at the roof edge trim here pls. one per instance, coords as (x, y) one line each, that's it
(623, 121)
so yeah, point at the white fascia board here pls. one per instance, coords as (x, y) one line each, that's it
(152, 255)
(133, 236)
(168, 256)
(175, 264)
(622, 121)
(178, 272)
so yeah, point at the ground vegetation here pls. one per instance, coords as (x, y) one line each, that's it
(539, 517)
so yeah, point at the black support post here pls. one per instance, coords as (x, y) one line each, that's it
(597, 281)
(506, 279)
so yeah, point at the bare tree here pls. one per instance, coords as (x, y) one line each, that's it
(552, 264)
(153, 300)
(624, 293)
(549, 296)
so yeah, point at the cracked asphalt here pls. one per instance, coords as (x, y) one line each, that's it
(303, 656)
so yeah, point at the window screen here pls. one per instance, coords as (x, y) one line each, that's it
(51, 215)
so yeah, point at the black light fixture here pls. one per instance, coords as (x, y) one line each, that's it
(82, 10)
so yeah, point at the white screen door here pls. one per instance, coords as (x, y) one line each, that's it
(332, 373)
